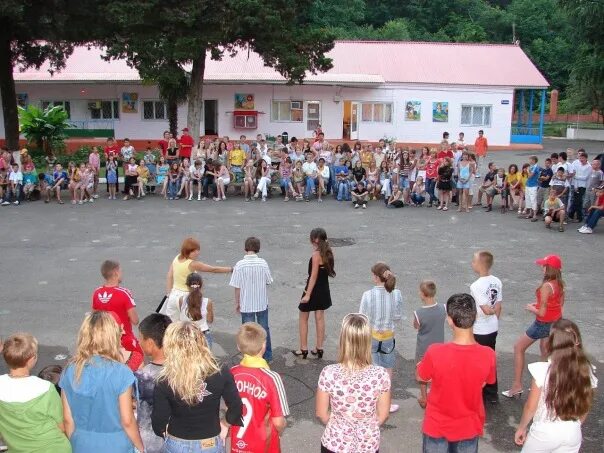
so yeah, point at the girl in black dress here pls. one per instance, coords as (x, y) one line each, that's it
(316, 296)
(444, 183)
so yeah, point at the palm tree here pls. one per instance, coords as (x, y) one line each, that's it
(46, 128)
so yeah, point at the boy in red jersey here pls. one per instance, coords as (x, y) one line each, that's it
(262, 394)
(112, 297)
(458, 371)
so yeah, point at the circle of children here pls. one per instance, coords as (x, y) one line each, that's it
(177, 394)
(559, 189)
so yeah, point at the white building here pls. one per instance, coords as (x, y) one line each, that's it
(404, 90)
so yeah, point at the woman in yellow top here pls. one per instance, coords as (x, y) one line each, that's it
(142, 178)
(176, 281)
(367, 157)
(515, 186)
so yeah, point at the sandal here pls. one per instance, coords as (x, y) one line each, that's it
(445, 208)
(510, 394)
(301, 353)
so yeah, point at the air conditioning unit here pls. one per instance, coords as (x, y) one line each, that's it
(94, 105)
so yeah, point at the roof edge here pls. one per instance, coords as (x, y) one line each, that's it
(426, 43)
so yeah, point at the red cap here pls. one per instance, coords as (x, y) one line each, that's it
(550, 260)
(185, 129)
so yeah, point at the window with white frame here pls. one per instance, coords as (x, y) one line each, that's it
(65, 104)
(104, 110)
(154, 110)
(376, 112)
(290, 111)
(476, 115)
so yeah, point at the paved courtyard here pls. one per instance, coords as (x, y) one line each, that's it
(51, 256)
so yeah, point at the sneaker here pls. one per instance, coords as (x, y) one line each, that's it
(587, 230)
(80, 202)
(224, 197)
(582, 228)
(356, 206)
(364, 206)
(203, 198)
(263, 198)
(5, 203)
(95, 196)
(286, 199)
(320, 200)
(190, 197)
(16, 203)
(91, 201)
(198, 197)
(393, 408)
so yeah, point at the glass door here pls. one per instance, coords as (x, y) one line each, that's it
(313, 116)
(354, 120)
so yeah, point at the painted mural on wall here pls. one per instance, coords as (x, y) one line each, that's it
(244, 101)
(129, 102)
(440, 112)
(413, 111)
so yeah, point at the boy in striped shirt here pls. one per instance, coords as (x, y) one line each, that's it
(262, 394)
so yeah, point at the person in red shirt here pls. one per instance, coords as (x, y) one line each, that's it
(112, 297)
(163, 143)
(481, 146)
(186, 144)
(262, 394)
(547, 309)
(444, 152)
(431, 176)
(458, 371)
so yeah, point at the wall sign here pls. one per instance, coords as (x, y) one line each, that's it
(440, 112)
(244, 101)
(413, 111)
(505, 101)
(129, 102)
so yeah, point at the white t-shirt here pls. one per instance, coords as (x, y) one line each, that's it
(309, 168)
(540, 372)
(486, 291)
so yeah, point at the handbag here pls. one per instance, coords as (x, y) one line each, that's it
(161, 305)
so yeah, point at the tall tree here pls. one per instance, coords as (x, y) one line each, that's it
(185, 32)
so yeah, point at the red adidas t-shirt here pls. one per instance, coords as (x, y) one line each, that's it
(262, 393)
(118, 300)
(186, 145)
(432, 169)
(455, 408)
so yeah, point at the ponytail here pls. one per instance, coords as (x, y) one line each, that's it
(319, 236)
(195, 297)
(383, 272)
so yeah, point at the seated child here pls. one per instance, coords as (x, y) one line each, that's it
(46, 185)
(31, 413)
(418, 194)
(360, 195)
(553, 211)
(151, 336)
(262, 393)
(15, 184)
(60, 180)
(142, 178)
(396, 199)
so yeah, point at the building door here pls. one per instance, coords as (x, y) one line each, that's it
(210, 117)
(355, 108)
(313, 116)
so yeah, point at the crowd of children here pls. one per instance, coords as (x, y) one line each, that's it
(108, 399)
(433, 177)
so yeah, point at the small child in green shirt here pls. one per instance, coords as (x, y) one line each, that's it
(31, 413)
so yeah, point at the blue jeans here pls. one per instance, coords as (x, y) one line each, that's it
(442, 445)
(593, 217)
(310, 186)
(176, 445)
(173, 187)
(261, 317)
(343, 191)
(417, 198)
(285, 182)
(430, 186)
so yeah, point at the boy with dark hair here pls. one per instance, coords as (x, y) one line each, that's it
(545, 177)
(360, 196)
(458, 371)
(262, 393)
(250, 279)
(151, 334)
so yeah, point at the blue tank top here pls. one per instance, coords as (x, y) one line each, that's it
(464, 172)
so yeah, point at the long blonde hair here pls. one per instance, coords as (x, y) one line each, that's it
(188, 363)
(99, 335)
(354, 351)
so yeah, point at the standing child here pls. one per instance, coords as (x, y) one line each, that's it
(455, 416)
(445, 183)
(111, 170)
(151, 333)
(487, 292)
(31, 414)
(262, 394)
(196, 308)
(383, 306)
(561, 394)
(94, 159)
(531, 185)
(429, 321)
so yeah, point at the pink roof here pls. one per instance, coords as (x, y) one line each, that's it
(355, 63)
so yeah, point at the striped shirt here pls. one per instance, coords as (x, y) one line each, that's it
(382, 308)
(252, 275)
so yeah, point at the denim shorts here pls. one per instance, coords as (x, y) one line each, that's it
(538, 330)
(403, 182)
(385, 357)
(176, 445)
(463, 185)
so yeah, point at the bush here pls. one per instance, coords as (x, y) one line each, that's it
(81, 155)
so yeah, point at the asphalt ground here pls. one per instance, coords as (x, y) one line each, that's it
(50, 258)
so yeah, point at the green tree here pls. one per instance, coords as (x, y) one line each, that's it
(337, 13)
(184, 32)
(44, 128)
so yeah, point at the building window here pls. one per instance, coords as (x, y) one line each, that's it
(476, 115)
(290, 111)
(65, 104)
(154, 110)
(104, 110)
(376, 112)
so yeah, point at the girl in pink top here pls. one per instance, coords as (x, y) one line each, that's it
(94, 159)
